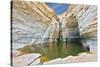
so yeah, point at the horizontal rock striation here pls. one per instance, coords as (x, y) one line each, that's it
(34, 23)
(84, 18)
(31, 21)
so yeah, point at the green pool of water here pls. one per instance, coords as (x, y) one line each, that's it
(55, 50)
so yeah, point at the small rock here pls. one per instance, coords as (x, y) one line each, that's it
(83, 57)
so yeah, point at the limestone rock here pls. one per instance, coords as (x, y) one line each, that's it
(83, 57)
(69, 59)
(84, 17)
(35, 22)
(30, 21)
(36, 62)
(25, 60)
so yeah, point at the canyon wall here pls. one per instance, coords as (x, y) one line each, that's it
(32, 22)
(35, 22)
(84, 18)
(87, 24)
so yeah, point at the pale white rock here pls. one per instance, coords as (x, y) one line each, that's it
(36, 62)
(30, 22)
(69, 59)
(25, 60)
(83, 57)
(86, 17)
(86, 58)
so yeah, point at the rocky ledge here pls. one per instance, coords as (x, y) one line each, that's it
(26, 59)
(34, 59)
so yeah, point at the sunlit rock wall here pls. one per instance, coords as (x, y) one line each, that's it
(86, 18)
(31, 22)
(35, 22)
(87, 23)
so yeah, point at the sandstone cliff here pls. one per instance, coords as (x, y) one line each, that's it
(84, 19)
(31, 21)
(35, 22)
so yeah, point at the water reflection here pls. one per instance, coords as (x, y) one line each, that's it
(54, 50)
(62, 49)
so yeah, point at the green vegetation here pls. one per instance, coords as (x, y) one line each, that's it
(44, 59)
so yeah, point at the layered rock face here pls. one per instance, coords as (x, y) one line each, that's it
(87, 20)
(84, 18)
(35, 23)
(31, 21)
(70, 28)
